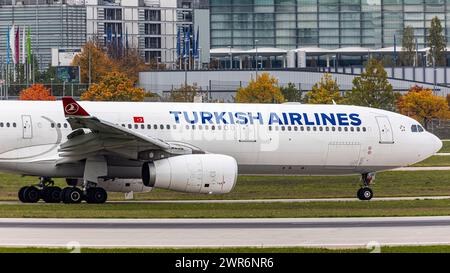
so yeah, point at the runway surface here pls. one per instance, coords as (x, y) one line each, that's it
(248, 201)
(182, 233)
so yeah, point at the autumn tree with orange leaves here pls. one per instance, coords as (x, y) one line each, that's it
(36, 92)
(422, 105)
(264, 89)
(115, 86)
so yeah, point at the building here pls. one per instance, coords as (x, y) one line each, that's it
(150, 26)
(244, 25)
(53, 24)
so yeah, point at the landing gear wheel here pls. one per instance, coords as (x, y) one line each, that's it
(21, 194)
(31, 195)
(71, 196)
(51, 194)
(365, 194)
(96, 196)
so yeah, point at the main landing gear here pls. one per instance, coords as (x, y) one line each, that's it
(366, 193)
(46, 191)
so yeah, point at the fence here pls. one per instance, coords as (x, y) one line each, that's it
(58, 90)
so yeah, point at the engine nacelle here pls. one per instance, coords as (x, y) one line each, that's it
(197, 173)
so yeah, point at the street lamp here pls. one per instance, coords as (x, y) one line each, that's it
(256, 57)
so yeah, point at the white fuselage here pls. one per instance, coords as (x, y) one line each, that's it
(264, 139)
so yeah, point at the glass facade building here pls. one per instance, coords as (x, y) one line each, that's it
(291, 24)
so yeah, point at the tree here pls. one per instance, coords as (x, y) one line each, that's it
(131, 64)
(325, 91)
(115, 86)
(36, 92)
(372, 89)
(185, 93)
(291, 93)
(264, 89)
(408, 53)
(436, 43)
(422, 105)
(93, 61)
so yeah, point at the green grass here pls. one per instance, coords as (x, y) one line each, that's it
(421, 183)
(446, 147)
(233, 210)
(397, 249)
(435, 161)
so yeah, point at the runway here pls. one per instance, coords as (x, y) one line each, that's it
(189, 233)
(248, 201)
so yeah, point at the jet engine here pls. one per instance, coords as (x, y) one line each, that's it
(196, 173)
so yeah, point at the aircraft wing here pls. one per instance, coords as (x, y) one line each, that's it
(92, 136)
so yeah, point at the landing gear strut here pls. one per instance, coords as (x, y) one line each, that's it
(365, 193)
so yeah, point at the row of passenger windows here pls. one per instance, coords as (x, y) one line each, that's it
(59, 125)
(8, 125)
(227, 127)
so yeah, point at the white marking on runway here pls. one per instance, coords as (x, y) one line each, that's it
(194, 233)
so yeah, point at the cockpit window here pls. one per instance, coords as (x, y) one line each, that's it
(417, 129)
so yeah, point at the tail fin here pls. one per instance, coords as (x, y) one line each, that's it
(73, 109)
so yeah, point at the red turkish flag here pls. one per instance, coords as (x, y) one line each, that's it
(138, 119)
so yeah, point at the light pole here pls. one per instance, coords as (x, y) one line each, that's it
(256, 57)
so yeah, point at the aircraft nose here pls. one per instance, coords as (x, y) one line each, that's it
(437, 143)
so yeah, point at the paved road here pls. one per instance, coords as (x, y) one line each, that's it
(325, 232)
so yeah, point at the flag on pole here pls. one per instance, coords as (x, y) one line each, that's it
(187, 44)
(29, 45)
(12, 43)
(8, 47)
(179, 43)
(23, 46)
(17, 44)
(197, 44)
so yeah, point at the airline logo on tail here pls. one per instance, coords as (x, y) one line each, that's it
(73, 109)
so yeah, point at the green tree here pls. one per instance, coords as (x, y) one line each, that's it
(408, 47)
(291, 93)
(326, 91)
(372, 88)
(264, 89)
(436, 43)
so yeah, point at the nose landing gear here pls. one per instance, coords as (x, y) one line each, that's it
(365, 193)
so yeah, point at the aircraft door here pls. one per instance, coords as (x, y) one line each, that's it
(247, 133)
(385, 129)
(27, 127)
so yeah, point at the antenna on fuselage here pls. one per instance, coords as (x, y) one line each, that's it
(334, 102)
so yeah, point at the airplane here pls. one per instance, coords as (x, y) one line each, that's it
(101, 147)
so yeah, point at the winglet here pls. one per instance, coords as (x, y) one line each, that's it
(73, 109)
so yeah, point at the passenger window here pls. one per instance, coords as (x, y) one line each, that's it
(340, 129)
(219, 127)
(142, 126)
(187, 127)
(14, 125)
(213, 127)
(270, 128)
(289, 128)
(206, 127)
(352, 129)
(283, 128)
(346, 129)
(295, 128)
(168, 127)
(161, 126)
(53, 125)
(327, 129)
(59, 125)
(200, 127)
(129, 126)
(333, 129)
(149, 127)
(155, 127)
(174, 127)
(358, 129)
(314, 128)
(321, 129)
(136, 126)
(302, 128)
(364, 129)
(65, 125)
(193, 127)
(308, 129)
